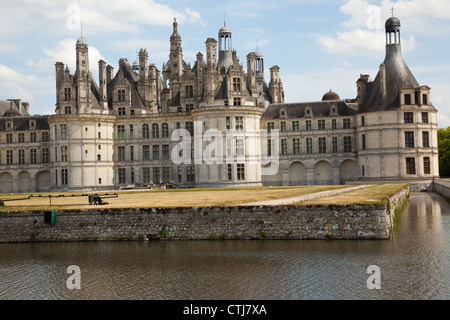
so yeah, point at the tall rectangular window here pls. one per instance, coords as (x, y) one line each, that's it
(240, 147)
(410, 166)
(240, 171)
(63, 132)
(425, 117)
(165, 130)
(283, 126)
(166, 174)
(33, 156)
(21, 137)
(165, 152)
(190, 174)
(237, 84)
(190, 128)
(283, 146)
(322, 145)
(348, 144)
(424, 99)
(156, 175)
(145, 153)
(308, 125)
(21, 156)
(32, 136)
(45, 136)
(9, 138)
(239, 123)
(409, 117)
(270, 126)
(131, 131)
(333, 124)
(335, 145)
(363, 138)
(132, 178)
(189, 91)
(155, 131)
(64, 153)
(45, 154)
(131, 153)
(67, 94)
(408, 99)
(346, 123)
(146, 175)
(180, 174)
(230, 172)
(121, 132)
(155, 152)
(363, 121)
(296, 146)
(409, 139)
(64, 177)
(309, 149)
(228, 123)
(321, 124)
(9, 157)
(426, 165)
(425, 139)
(295, 126)
(121, 95)
(121, 175)
(121, 153)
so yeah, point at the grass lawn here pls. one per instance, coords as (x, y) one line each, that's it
(372, 194)
(158, 198)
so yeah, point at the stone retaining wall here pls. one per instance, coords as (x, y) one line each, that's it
(368, 221)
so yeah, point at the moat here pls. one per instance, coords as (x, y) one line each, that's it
(414, 264)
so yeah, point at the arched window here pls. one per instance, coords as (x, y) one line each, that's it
(155, 130)
(145, 131)
(165, 130)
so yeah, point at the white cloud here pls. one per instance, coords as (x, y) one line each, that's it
(65, 52)
(14, 85)
(415, 13)
(99, 16)
(359, 42)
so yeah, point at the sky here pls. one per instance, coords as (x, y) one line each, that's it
(319, 45)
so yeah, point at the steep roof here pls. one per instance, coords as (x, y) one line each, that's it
(398, 77)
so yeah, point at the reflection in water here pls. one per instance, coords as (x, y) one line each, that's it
(414, 265)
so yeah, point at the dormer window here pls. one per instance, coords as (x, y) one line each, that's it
(121, 95)
(408, 101)
(32, 124)
(283, 113)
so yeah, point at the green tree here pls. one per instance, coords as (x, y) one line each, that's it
(444, 152)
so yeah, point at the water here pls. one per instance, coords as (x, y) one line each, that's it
(413, 265)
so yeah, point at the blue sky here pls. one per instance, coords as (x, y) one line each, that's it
(318, 45)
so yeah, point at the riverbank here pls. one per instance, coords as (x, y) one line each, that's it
(256, 222)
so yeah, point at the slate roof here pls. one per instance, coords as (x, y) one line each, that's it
(398, 77)
(297, 110)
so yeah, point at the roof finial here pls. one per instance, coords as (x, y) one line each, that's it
(257, 46)
(224, 19)
(392, 9)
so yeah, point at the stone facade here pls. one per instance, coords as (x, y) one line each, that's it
(289, 222)
(134, 127)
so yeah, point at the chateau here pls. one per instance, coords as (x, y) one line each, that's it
(216, 124)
